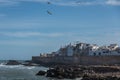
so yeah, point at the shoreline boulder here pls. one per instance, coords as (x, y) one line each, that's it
(41, 73)
(13, 62)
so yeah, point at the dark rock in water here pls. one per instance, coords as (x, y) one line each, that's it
(13, 62)
(41, 73)
(28, 61)
(29, 64)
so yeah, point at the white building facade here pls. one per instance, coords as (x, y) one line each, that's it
(113, 49)
(84, 49)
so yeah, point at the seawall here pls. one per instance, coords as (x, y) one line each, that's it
(82, 60)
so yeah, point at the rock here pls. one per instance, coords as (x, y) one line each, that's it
(63, 72)
(105, 69)
(28, 61)
(60, 77)
(41, 73)
(71, 72)
(29, 64)
(13, 62)
(86, 77)
(51, 73)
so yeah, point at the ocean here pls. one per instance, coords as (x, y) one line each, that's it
(20, 72)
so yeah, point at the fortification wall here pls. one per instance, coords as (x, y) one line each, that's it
(96, 60)
(83, 60)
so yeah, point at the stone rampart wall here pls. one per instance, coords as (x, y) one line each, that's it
(83, 60)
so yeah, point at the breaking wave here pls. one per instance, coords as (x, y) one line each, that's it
(20, 72)
(2, 65)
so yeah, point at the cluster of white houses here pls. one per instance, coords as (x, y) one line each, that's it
(84, 49)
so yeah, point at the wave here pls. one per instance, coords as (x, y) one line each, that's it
(2, 65)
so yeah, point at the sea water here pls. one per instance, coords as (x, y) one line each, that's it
(20, 72)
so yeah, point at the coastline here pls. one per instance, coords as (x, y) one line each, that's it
(83, 72)
(93, 72)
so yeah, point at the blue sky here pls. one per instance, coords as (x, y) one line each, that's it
(26, 29)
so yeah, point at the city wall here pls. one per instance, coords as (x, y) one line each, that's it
(83, 60)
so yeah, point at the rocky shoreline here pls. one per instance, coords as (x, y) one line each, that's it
(90, 72)
(25, 63)
(84, 72)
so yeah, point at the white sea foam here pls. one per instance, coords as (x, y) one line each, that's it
(30, 67)
(26, 67)
(2, 65)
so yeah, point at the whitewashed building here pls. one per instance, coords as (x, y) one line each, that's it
(84, 49)
(93, 50)
(113, 46)
(112, 49)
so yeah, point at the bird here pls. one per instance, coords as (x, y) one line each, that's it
(48, 2)
(50, 13)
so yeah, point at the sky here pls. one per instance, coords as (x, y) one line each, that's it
(27, 29)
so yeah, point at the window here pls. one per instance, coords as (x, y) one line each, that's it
(94, 54)
(99, 53)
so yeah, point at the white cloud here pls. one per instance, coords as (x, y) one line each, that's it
(86, 3)
(65, 2)
(30, 34)
(113, 2)
(73, 3)
(8, 2)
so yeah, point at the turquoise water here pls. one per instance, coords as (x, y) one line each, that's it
(20, 72)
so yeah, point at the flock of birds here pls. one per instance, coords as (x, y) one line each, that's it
(50, 13)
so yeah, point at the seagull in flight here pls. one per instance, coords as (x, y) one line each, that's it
(48, 2)
(50, 13)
